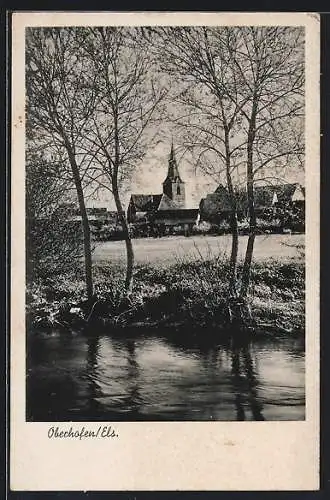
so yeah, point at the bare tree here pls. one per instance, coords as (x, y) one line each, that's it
(210, 119)
(270, 69)
(201, 131)
(59, 105)
(127, 97)
(244, 88)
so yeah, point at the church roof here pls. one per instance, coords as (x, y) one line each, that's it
(152, 202)
(149, 203)
(167, 204)
(146, 202)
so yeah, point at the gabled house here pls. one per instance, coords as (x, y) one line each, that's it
(141, 205)
(291, 193)
(216, 207)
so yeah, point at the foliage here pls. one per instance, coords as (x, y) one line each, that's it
(59, 108)
(291, 216)
(53, 243)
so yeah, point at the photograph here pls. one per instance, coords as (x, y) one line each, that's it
(165, 223)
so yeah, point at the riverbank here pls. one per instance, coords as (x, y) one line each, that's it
(185, 296)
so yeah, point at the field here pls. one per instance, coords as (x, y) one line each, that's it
(178, 282)
(171, 249)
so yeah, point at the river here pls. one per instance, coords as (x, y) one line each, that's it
(111, 378)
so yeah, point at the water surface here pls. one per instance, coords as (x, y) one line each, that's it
(75, 377)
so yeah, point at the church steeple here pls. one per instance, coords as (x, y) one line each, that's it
(173, 186)
(173, 171)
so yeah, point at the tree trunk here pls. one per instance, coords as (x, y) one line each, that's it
(121, 213)
(128, 241)
(234, 236)
(233, 254)
(85, 226)
(247, 263)
(252, 214)
(233, 221)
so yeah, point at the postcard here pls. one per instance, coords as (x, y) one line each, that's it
(164, 251)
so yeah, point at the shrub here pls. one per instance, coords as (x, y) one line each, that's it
(190, 292)
(53, 242)
(53, 246)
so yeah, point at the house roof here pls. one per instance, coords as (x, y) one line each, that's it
(146, 202)
(179, 215)
(286, 191)
(264, 195)
(219, 201)
(151, 202)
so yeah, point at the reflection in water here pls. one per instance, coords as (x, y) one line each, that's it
(250, 374)
(245, 381)
(132, 398)
(94, 406)
(237, 384)
(153, 378)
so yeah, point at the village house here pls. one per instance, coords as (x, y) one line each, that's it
(103, 223)
(216, 207)
(96, 215)
(166, 211)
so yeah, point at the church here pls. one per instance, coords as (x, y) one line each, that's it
(167, 210)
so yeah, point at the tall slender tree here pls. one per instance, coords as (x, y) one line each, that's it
(59, 107)
(127, 98)
(246, 87)
(270, 67)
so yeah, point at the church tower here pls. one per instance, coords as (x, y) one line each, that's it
(173, 186)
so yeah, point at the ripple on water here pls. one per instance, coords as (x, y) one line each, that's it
(153, 379)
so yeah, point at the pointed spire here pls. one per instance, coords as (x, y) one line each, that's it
(173, 185)
(173, 172)
(172, 155)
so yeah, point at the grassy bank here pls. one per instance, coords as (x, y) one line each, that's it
(186, 294)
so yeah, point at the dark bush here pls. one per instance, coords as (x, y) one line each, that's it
(53, 238)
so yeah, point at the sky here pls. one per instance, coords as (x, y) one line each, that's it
(151, 173)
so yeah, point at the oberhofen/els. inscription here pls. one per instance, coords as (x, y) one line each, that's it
(103, 431)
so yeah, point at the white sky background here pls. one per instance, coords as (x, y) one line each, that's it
(149, 176)
(151, 172)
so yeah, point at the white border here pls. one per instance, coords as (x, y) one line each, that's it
(167, 456)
